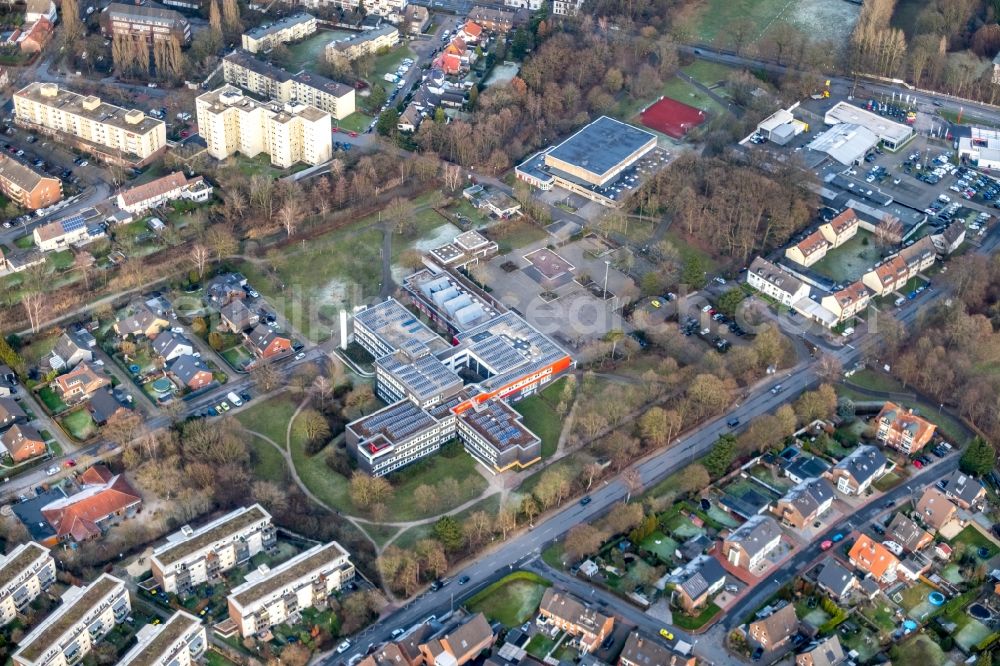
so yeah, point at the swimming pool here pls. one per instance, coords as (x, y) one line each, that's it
(980, 612)
(909, 625)
(936, 598)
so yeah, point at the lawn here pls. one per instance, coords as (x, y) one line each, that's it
(514, 234)
(919, 650)
(410, 537)
(708, 73)
(52, 401)
(312, 49)
(389, 62)
(974, 540)
(880, 614)
(236, 357)
(542, 419)
(663, 546)
(213, 658)
(851, 260)
(79, 424)
(261, 164)
(540, 645)
(268, 463)
(513, 600)
(692, 622)
(25, 242)
(460, 466)
(62, 260)
(914, 600)
(356, 122)
(269, 418)
(314, 280)
(889, 481)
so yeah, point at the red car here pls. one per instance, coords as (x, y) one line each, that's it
(917, 464)
(354, 134)
(70, 463)
(184, 134)
(336, 129)
(826, 545)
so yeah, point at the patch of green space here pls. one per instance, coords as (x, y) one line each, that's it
(410, 537)
(51, 400)
(888, 482)
(553, 555)
(380, 534)
(389, 62)
(881, 614)
(213, 658)
(461, 467)
(683, 91)
(62, 260)
(708, 73)
(268, 463)
(851, 260)
(692, 622)
(261, 165)
(919, 650)
(572, 464)
(312, 50)
(566, 654)
(973, 540)
(269, 418)
(540, 645)
(541, 418)
(25, 242)
(79, 424)
(663, 546)
(236, 356)
(512, 600)
(914, 595)
(513, 234)
(356, 122)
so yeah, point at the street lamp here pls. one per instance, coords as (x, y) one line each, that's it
(607, 267)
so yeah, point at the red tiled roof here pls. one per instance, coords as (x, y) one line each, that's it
(80, 517)
(844, 221)
(96, 475)
(472, 29)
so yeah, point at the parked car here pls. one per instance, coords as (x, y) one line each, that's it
(826, 545)
(586, 500)
(837, 537)
(666, 634)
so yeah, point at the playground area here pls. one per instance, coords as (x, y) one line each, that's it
(673, 118)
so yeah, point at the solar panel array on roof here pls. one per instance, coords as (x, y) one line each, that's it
(72, 223)
(396, 422)
(498, 353)
(500, 425)
(424, 377)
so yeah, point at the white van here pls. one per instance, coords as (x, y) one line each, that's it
(848, 332)
(900, 301)
(235, 399)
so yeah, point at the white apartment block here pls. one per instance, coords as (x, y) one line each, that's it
(566, 7)
(264, 79)
(775, 282)
(180, 641)
(192, 557)
(288, 29)
(25, 573)
(293, 132)
(532, 5)
(362, 43)
(270, 596)
(72, 629)
(115, 134)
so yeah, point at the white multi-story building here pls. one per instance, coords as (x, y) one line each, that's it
(72, 629)
(566, 7)
(25, 573)
(772, 281)
(191, 557)
(363, 43)
(270, 596)
(261, 78)
(163, 190)
(293, 132)
(179, 641)
(114, 134)
(532, 5)
(289, 29)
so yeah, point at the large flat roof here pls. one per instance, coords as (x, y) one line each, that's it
(845, 142)
(499, 425)
(844, 112)
(89, 107)
(601, 146)
(152, 646)
(180, 547)
(298, 567)
(424, 377)
(393, 424)
(400, 329)
(18, 560)
(282, 24)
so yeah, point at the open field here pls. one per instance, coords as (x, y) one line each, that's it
(267, 461)
(512, 600)
(356, 122)
(410, 537)
(709, 74)
(851, 260)
(308, 53)
(816, 18)
(541, 417)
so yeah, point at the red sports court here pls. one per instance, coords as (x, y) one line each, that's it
(673, 118)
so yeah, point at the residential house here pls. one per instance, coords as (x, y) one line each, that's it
(694, 547)
(775, 282)
(855, 473)
(804, 503)
(390, 654)
(70, 351)
(697, 582)
(35, 36)
(266, 343)
(141, 321)
(471, 32)
(8, 381)
(809, 251)
(26, 187)
(36, 9)
(836, 580)
(25, 572)
(159, 192)
(237, 317)
(587, 626)
(893, 274)
(103, 405)
(497, 20)
(901, 429)
(69, 632)
(841, 229)
(873, 558)
(963, 490)
(61, 234)
(825, 652)
(169, 345)
(415, 19)
(949, 239)
(409, 653)
(191, 372)
(22, 442)
(642, 650)
(191, 557)
(80, 382)
(11, 413)
(751, 542)
(910, 536)
(935, 509)
(180, 641)
(105, 499)
(848, 302)
(775, 630)
(410, 118)
(805, 467)
(461, 644)
(270, 597)
(223, 289)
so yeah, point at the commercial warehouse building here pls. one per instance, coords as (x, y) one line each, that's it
(590, 161)
(981, 147)
(893, 135)
(242, 69)
(231, 122)
(110, 133)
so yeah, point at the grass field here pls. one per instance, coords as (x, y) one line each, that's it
(974, 540)
(79, 424)
(269, 418)
(356, 122)
(662, 545)
(709, 74)
(851, 260)
(689, 622)
(541, 417)
(512, 600)
(52, 401)
(816, 18)
(308, 53)
(410, 537)
(268, 464)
